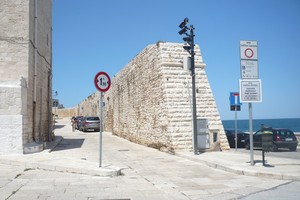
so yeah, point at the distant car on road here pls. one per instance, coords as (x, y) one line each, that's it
(241, 137)
(282, 138)
(78, 120)
(90, 123)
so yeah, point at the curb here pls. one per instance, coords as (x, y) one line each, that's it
(106, 171)
(246, 172)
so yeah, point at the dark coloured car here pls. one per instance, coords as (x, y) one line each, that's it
(241, 137)
(90, 123)
(78, 120)
(282, 138)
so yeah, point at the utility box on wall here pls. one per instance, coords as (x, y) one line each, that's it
(202, 134)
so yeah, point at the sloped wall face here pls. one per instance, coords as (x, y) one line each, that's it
(135, 108)
(150, 100)
(178, 97)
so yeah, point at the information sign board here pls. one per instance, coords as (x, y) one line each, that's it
(249, 69)
(250, 90)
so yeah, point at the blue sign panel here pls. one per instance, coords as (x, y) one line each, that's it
(235, 98)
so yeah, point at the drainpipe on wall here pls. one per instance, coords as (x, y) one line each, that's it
(50, 126)
(49, 110)
(35, 70)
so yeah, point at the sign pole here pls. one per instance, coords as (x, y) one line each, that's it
(102, 83)
(251, 135)
(250, 85)
(100, 146)
(235, 127)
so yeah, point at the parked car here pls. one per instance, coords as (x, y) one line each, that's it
(90, 123)
(241, 137)
(282, 138)
(78, 120)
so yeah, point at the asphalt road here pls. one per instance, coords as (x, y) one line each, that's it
(284, 191)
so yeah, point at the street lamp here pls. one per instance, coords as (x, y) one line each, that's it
(54, 93)
(190, 48)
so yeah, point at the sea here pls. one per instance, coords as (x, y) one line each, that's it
(243, 125)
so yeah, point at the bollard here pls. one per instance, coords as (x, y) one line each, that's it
(267, 143)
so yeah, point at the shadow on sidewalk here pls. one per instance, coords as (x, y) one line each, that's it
(58, 126)
(66, 144)
(261, 162)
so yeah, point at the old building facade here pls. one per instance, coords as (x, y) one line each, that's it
(150, 101)
(25, 75)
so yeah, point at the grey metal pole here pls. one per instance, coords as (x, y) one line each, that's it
(100, 142)
(194, 91)
(235, 127)
(251, 135)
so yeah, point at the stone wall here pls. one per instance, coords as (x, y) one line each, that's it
(150, 101)
(12, 108)
(26, 55)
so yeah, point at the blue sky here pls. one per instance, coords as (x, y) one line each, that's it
(97, 35)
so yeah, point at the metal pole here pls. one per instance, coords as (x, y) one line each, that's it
(263, 149)
(194, 91)
(235, 127)
(100, 143)
(251, 134)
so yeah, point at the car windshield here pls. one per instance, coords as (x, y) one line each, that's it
(92, 118)
(285, 133)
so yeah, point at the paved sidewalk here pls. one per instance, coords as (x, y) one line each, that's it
(78, 152)
(239, 163)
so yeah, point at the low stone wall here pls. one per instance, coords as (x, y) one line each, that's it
(65, 113)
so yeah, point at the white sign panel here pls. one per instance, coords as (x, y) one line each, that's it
(249, 69)
(248, 50)
(250, 90)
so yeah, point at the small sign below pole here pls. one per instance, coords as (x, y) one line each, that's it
(102, 83)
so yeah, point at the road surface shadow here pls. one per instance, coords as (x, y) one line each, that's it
(58, 126)
(66, 144)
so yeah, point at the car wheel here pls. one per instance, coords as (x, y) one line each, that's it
(293, 148)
